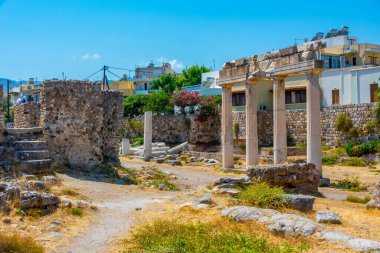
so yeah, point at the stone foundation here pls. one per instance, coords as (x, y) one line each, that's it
(80, 122)
(27, 115)
(303, 177)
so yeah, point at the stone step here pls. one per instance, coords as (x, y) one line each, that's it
(16, 131)
(35, 166)
(29, 145)
(24, 155)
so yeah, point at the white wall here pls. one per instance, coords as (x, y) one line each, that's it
(213, 74)
(353, 84)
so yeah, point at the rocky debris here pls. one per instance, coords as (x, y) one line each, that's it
(228, 182)
(36, 185)
(65, 202)
(211, 162)
(174, 162)
(204, 202)
(7, 220)
(324, 182)
(37, 200)
(300, 202)
(328, 217)
(29, 177)
(292, 225)
(303, 177)
(228, 191)
(179, 148)
(51, 181)
(375, 202)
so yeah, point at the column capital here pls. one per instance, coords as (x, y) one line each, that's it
(279, 77)
(227, 86)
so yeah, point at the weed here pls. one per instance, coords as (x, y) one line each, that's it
(356, 199)
(236, 158)
(354, 161)
(263, 195)
(34, 213)
(137, 142)
(326, 147)
(69, 192)
(210, 187)
(166, 183)
(76, 211)
(109, 170)
(19, 244)
(20, 212)
(350, 183)
(172, 236)
(330, 159)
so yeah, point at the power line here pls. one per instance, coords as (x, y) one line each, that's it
(93, 74)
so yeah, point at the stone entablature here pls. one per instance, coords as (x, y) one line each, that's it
(27, 115)
(303, 177)
(80, 122)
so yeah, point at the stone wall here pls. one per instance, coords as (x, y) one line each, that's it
(2, 124)
(27, 115)
(81, 122)
(177, 129)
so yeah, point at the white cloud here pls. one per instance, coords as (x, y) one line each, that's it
(88, 56)
(176, 64)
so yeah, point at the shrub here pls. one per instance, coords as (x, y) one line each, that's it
(76, 211)
(172, 236)
(137, 142)
(263, 195)
(343, 123)
(349, 147)
(184, 98)
(207, 107)
(354, 161)
(350, 183)
(330, 159)
(19, 244)
(236, 130)
(169, 185)
(359, 200)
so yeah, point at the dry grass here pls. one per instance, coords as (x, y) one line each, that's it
(19, 244)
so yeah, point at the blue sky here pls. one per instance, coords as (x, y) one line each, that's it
(43, 38)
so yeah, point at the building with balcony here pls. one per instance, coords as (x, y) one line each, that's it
(145, 75)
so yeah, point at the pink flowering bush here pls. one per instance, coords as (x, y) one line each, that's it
(184, 98)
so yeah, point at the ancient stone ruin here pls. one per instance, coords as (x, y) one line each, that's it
(27, 115)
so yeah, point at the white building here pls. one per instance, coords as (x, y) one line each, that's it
(353, 85)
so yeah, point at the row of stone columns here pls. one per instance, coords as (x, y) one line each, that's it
(314, 153)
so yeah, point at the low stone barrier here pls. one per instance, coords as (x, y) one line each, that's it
(303, 177)
(27, 115)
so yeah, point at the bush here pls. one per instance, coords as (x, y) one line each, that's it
(134, 105)
(350, 183)
(359, 200)
(354, 161)
(343, 123)
(184, 98)
(263, 195)
(236, 130)
(172, 236)
(330, 159)
(19, 244)
(76, 211)
(349, 148)
(207, 107)
(138, 142)
(169, 185)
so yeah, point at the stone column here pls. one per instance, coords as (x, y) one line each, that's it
(252, 145)
(148, 135)
(125, 147)
(313, 118)
(227, 129)
(279, 122)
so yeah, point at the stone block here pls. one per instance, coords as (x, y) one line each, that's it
(328, 217)
(300, 202)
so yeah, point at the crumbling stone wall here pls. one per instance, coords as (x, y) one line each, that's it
(80, 122)
(2, 124)
(177, 129)
(27, 115)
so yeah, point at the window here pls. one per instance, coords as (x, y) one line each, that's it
(238, 99)
(300, 96)
(374, 88)
(288, 97)
(145, 86)
(372, 60)
(335, 97)
(331, 61)
(354, 61)
(351, 41)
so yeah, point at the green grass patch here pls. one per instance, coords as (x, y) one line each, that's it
(137, 142)
(263, 195)
(330, 159)
(169, 185)
(76, 211)
(301, 145)
(326, 147)
(172, 236)
(351, 184)
(69, 192)
(19, 244)
(355, 199)
(354, 162)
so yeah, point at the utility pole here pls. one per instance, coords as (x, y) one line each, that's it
(8, 100)
(105, 81)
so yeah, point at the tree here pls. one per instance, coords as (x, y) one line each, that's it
(8, 117)
(158, 102)
(184, 98)
(192, 75)
(134, 105)
(166, 82)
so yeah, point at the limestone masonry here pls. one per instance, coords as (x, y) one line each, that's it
(80, 122)
(27, 115)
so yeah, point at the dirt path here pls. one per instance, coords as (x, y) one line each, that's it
(116, 202)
